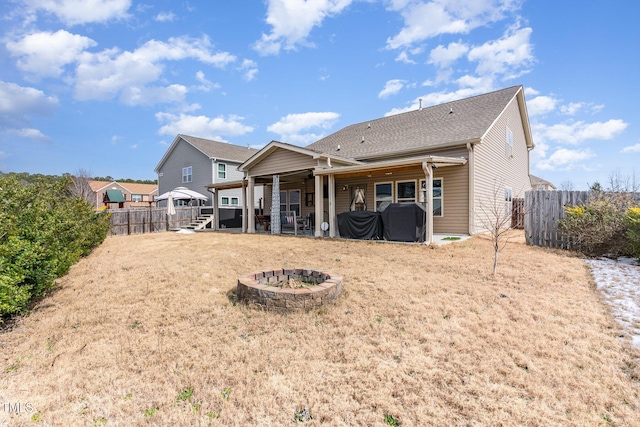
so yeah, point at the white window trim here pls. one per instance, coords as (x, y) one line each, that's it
(287, 202)
(187, 174)
(405, 200)
(508, 200)
(222, 202)
(375, 193)
(224, 171)
(421, 195)
(509, 142)
(236, 200)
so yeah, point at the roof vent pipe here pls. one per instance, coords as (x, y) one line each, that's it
(420, 100)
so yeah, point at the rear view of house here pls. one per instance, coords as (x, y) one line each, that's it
(453, 159)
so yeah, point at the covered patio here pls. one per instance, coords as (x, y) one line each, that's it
(305, 182)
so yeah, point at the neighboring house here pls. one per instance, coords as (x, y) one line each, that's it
(540, 184)
(195, 163)
(113, 194)
(459, 158)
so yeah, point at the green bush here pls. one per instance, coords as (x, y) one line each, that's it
(632, 221)
(44, 230)
(599, 228)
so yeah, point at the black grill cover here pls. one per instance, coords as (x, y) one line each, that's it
(404, 222)
(360, 225)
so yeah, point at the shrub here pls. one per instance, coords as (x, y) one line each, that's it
(598, 227)
(632, 221)
(43, 232)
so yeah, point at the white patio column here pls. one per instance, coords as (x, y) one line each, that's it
(332, 205)
(426, 167)
(216, 212)
(275, 205)
(251, 217)
(319, 201)
(244, 207)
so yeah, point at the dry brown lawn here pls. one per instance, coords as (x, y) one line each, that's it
(424, 335)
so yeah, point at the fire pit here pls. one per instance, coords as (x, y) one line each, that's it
(289, 289)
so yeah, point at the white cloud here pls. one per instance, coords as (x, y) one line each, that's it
(153, 95)
(427, 19)
(45, 53)
(165, 17)
(468, 86)
(541, 105)
(445, 56)
(404, 57)
(292, 22)
(27, 133)
(16, 102)
(250, 69)
(110, 73)
(392, 87)
(565, 159)
(73, 12)
(203, 126)
(291, 127)
(574, 107)
(509, 56)
(206, 85)
(577, 132)
(631, 149)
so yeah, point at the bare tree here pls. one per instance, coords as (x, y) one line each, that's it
(567, 185)
(621, 183)
(81, 187)
(495, 216)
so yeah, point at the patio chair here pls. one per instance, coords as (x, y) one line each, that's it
(289, 220)
(263, 222)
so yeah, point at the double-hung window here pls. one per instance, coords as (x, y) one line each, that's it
(290, 201)
(383, 195)
(222, 171)
(405, 191)
(187, 174)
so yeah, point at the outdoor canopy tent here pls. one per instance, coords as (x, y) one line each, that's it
(182, 193)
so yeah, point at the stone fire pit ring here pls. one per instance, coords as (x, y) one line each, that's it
(289, 289)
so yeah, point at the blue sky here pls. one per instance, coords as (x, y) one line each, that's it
(106, 85)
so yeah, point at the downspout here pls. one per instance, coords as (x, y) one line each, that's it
(426, 167)
(472, 189)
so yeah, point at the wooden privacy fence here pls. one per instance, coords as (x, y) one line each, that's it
(150, 220)
(543, 210)
(517, 213)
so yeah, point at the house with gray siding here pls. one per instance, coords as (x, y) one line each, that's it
(454, 159)
(194, 163)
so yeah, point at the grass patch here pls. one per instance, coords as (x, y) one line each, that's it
(431, 338)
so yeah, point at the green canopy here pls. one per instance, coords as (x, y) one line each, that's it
(115, 196)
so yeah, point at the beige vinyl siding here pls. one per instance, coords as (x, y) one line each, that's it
(282, 161)
(494, 170)
(455, 192)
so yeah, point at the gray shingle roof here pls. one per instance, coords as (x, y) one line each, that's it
(220, 150)
(456, 121)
